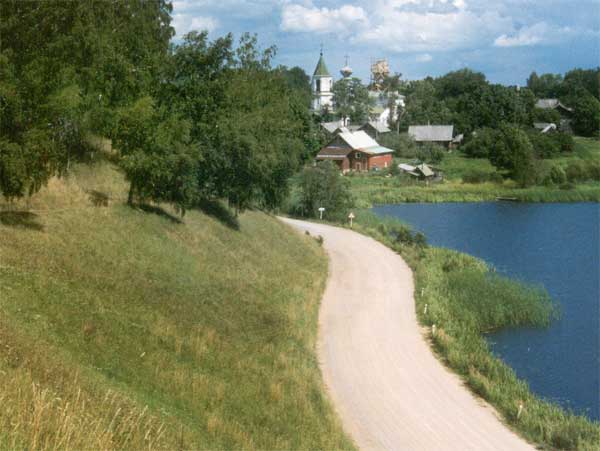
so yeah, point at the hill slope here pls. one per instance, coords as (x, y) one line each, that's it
(122, 328)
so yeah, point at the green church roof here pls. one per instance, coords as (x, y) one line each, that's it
(321, 69)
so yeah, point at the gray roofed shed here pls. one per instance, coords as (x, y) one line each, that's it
(431, 133)
(551, 104)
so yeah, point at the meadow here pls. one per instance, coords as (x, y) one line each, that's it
(130, 328)
(376, 188)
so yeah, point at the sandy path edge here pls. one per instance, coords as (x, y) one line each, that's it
(385, 383)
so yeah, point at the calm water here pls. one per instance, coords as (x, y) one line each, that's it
(556, 245)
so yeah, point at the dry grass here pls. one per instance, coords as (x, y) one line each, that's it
(124, 329)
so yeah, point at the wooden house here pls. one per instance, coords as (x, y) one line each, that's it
(437, 134)
(356, 151)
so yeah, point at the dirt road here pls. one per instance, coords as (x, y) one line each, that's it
(388, 388)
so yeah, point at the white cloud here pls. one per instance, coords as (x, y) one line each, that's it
(322, 20)
(525, 36)
(539, 34)
(424, 58)
(420, 30)
(184, 23)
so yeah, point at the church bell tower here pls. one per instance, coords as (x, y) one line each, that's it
(322, 85)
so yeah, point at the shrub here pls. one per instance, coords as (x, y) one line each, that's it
(479, 176)
(575, 172)
(481, 143)
(403, 144)
(431, 153)
(323, 186)
(565, 142)
(557, 175)
(567, 186)
(513, 152)
(593, 170)
(544, 145)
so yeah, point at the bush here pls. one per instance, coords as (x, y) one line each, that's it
(567, 186)
(431, 153)
(557, 175)
(544, 145)
(576, 172)
(586, 114)
(513, 152)
(323, 186)
(481, 143)
(565, 142)
(403, 144)
(479, 176)
(593, 171)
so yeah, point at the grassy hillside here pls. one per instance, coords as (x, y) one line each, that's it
(123, 328)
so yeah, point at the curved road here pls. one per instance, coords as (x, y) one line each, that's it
(388, 388)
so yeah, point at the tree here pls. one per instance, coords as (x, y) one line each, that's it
(546, 85)
(298, 81)
(159, 158)
(586, 114)
(514, 153)
(351, 100)
(64, 71)
(482, 143)
(577, 79)
(323, 186)
(423, 106)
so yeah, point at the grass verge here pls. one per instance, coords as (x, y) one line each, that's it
(126, 328)
(464, 299)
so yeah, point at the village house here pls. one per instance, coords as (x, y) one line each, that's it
(374, 129)
(332, 128)
(356, 151)
(437, 134)
(565, 112)
(421, 171)
(553, 104)
(544, 127)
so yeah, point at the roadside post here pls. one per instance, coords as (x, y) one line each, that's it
(321, 210)
(351, 217)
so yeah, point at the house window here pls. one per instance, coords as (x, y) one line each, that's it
(318, 85)
(358, 155)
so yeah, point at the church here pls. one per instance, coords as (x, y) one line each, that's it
(322, 86)
(322, 90)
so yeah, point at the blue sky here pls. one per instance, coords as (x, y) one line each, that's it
(504, 39)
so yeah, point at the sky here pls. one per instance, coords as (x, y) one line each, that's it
(504, 39)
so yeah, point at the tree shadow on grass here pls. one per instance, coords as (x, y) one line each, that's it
(98, 198)
(160, 212)
(24, 219)
(218, 211)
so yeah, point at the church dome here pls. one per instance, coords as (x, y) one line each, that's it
(346, 71)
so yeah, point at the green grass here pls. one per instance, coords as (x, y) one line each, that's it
(125, 329)
(465, 299)
(375, 189)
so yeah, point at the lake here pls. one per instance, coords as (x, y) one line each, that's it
(555, 245)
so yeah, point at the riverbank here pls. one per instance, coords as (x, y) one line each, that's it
(377, 188)
(464, 299)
